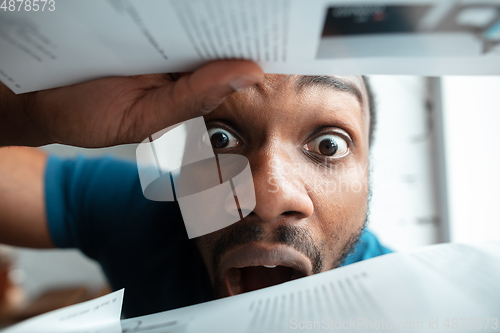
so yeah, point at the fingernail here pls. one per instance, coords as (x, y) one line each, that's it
(242, 82)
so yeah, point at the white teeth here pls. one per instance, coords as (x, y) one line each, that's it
(270, 266)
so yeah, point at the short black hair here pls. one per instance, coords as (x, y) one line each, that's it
(373, 108)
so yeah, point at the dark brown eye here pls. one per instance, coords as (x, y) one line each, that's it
(329, 145)
(220, 138)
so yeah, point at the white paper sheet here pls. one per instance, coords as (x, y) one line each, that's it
(83, 40)
(449, 287)
(98, 315)
(446, 287)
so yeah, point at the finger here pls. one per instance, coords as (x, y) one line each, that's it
(198, 93)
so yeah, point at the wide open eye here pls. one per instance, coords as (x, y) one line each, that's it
(220, 138)
(329, 145)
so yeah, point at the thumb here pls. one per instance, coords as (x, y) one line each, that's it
(200, 92)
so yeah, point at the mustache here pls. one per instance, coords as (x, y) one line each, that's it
(296, 237)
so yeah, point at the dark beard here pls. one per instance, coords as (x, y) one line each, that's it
(239, 235)
(299, 238)
(293, 236)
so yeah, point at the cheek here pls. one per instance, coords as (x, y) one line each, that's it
(339, 194)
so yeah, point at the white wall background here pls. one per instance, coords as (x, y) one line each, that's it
(404, 212)
(471, 114)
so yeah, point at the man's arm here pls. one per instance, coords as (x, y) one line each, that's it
(23, 219)
(16, 122)
(118, 110)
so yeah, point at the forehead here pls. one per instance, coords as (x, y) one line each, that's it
(293, 89)
(302, 83)
(295, 101)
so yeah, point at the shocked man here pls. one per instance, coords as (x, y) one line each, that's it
(307, 140)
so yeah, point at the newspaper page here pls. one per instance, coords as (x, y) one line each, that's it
(74, 41)
(447, 287)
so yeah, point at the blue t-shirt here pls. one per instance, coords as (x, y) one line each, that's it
(97, 206)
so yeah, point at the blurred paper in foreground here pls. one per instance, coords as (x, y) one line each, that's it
(433, 288)
(97, 315)
(424, 289)
(83, 40)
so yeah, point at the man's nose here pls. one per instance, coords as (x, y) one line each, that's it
(280, 189)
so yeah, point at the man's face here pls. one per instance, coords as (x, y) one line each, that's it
(307, 144)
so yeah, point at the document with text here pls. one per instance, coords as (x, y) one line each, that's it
(75, 41)
(445, 287)
(448, 287)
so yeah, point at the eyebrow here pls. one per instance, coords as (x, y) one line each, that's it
(329, 82)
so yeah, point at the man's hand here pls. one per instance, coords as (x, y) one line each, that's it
(118, 110)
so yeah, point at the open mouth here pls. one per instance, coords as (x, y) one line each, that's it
(245, 279)
(251, 268)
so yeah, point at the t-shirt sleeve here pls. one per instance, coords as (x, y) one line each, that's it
(97, 206)
(90, 202)
(367, 247)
